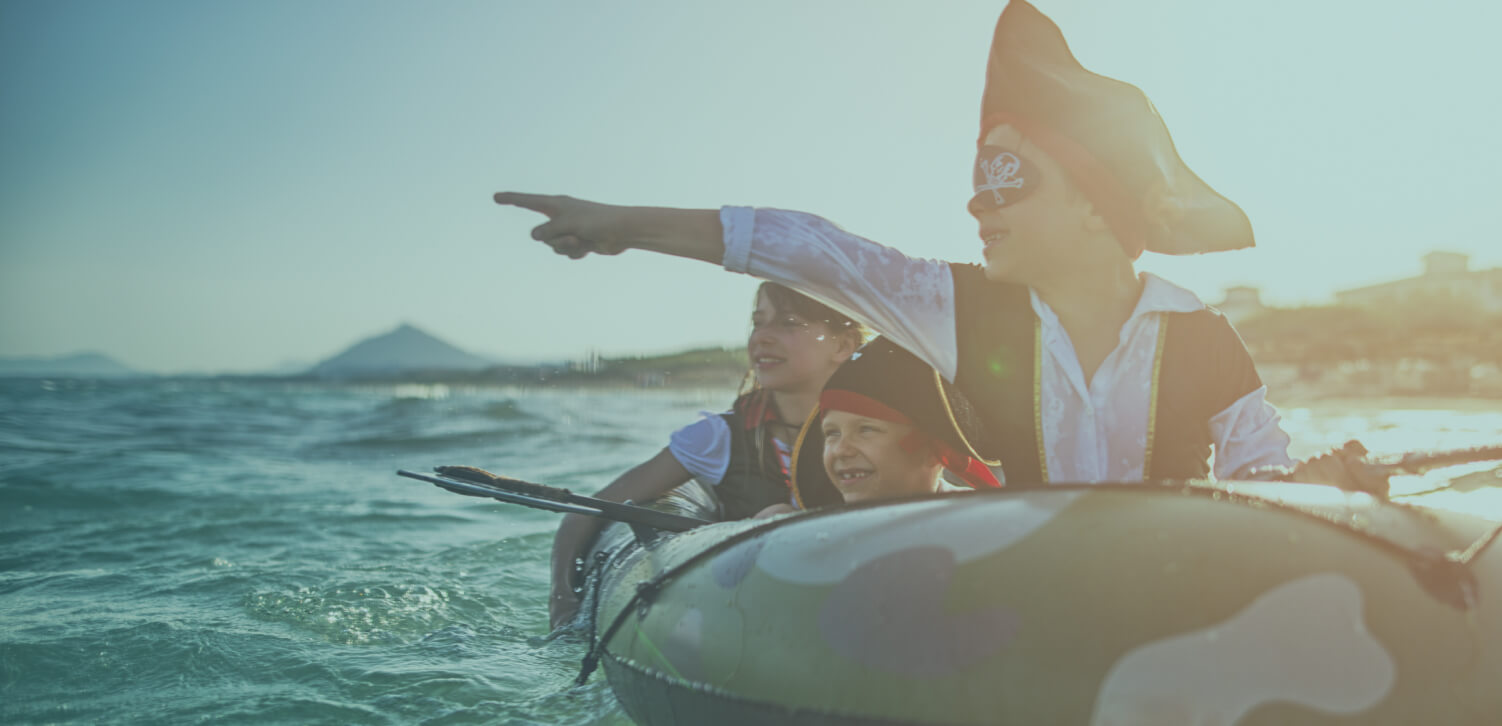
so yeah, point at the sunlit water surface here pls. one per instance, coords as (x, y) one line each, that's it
(199, 551)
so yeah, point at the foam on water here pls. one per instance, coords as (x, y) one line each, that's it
(182, 551)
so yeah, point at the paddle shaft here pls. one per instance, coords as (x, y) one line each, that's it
(564, 501)
(1420, 462)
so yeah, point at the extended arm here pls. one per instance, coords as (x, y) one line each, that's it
(1249, 444)
(576, 227)
(649, 480)
(909, 300)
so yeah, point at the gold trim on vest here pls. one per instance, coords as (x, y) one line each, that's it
(1152, 407)
(1038, 398)
(808, 423)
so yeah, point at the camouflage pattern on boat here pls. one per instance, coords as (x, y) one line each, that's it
(1110, 605)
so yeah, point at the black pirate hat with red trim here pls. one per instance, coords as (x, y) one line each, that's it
(887, 382)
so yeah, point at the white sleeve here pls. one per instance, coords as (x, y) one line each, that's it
(909, 300)
(1247, 436)
(703, 448)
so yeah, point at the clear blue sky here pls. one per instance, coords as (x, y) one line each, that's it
(194, 186)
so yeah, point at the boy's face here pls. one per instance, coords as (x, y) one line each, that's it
(866, 459)
(1033, 224)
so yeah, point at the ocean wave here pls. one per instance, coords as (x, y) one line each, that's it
(393, 443)
(499, 410)
(368, 612)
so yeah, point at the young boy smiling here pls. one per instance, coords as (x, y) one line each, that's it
(885, 425)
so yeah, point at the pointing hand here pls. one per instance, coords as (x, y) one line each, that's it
(575, 227)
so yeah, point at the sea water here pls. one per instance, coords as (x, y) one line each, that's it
(185, 550)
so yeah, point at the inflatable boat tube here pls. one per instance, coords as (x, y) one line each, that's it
(1174, 603)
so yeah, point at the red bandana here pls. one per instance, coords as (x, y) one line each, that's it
(968, 469)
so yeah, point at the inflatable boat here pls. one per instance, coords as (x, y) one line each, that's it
(1174, 603)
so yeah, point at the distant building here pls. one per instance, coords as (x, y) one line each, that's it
(591, 363)
(1447, 280)
(1241, 302)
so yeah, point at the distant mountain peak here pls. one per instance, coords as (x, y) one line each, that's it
(405, 348)
(408, 329)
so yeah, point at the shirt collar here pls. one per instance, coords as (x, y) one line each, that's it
(1158, 296)
(1162, 296)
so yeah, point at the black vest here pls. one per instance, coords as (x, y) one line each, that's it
(1201, 368)
(750, 486)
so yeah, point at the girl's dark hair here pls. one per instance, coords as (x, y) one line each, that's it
(786, 299)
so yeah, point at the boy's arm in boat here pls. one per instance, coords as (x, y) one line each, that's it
(1246, 434)
(1248, 437)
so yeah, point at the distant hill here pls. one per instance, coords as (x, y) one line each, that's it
(404, 349)
(77, 365)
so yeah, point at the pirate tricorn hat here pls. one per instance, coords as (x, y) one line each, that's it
(1108, 137)
(887, 382)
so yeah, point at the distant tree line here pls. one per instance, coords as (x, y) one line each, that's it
(1437, 329)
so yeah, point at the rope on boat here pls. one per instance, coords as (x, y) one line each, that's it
(592, 656)
(647, 590)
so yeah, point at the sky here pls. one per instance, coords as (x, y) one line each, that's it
(197, 187)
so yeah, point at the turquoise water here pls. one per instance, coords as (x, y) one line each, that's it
(187, 551)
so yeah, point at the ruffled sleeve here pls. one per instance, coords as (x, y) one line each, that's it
(703, 448)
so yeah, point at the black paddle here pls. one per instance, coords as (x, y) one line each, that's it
(1418, 462)
(473, 482)
(1352, 468)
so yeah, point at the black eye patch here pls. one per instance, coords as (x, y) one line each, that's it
(1002, 177)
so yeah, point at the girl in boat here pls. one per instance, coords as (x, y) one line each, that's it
(744, 455)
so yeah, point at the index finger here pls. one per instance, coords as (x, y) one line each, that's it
(543, 203)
